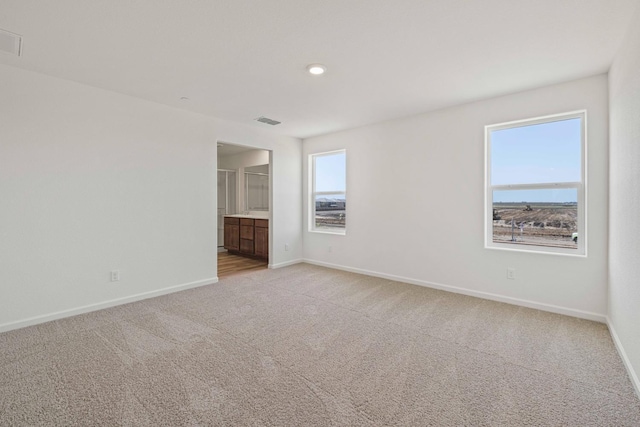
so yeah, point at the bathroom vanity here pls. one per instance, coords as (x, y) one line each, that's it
(247, 235)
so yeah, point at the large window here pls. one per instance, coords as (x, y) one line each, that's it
(535, 184)
(328, 192)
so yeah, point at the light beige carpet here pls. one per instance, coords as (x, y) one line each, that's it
(310, 346)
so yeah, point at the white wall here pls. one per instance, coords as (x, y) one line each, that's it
(624, 199)
(244, 159)
(92, 181)
(415, 203)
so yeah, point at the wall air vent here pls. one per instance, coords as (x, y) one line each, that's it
(10, 43)
(268, 121)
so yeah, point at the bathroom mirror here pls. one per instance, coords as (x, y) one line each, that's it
(256, 179)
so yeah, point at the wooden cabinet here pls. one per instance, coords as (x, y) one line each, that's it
(261, 240)
(232, 234)
(247, 236)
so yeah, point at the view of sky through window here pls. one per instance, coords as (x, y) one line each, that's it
(537, 154)
(330, 172)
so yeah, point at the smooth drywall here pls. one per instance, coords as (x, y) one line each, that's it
(624, 199)
(244, 159)
(415, 203)
(93, 181)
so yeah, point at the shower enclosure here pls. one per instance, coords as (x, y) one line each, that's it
(227, 204)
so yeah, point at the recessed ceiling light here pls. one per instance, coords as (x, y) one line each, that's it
(316, 69)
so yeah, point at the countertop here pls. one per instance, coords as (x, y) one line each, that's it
(248, 216)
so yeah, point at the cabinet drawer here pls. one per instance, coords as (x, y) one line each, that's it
(246, 221)
(264, 223)
(231, 221)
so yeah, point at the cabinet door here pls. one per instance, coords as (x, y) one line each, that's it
(262, 242)
(246, 232)
(232, 237)
(246, 246)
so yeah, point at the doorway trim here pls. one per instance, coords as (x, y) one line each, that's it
(271, 180)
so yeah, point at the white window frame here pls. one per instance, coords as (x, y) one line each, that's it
(581, 187)
(313, 193)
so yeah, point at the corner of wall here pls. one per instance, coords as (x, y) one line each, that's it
(633, 376)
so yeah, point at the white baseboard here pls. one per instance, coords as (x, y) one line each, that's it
(484, 295)
(633, 376)
(101, 305)
(286, 264)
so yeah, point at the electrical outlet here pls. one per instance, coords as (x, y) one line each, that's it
(286, 246)
(511, 273)
(115, 275)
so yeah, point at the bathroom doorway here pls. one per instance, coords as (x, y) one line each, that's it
(244, 208)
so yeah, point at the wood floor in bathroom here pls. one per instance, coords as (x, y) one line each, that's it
(229, 264)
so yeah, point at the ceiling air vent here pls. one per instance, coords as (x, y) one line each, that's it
(268, 121)
(10, 43)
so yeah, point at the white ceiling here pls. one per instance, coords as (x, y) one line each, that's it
(241, 59)
(226, 149)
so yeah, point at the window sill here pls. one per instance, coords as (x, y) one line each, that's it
(321, 231)
(532, 249)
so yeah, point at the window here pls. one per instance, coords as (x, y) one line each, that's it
(328, 192)
(535, 185)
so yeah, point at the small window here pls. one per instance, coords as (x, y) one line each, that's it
(328, 192)
(535, 192)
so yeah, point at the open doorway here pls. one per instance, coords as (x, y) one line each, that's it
(244, 208)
